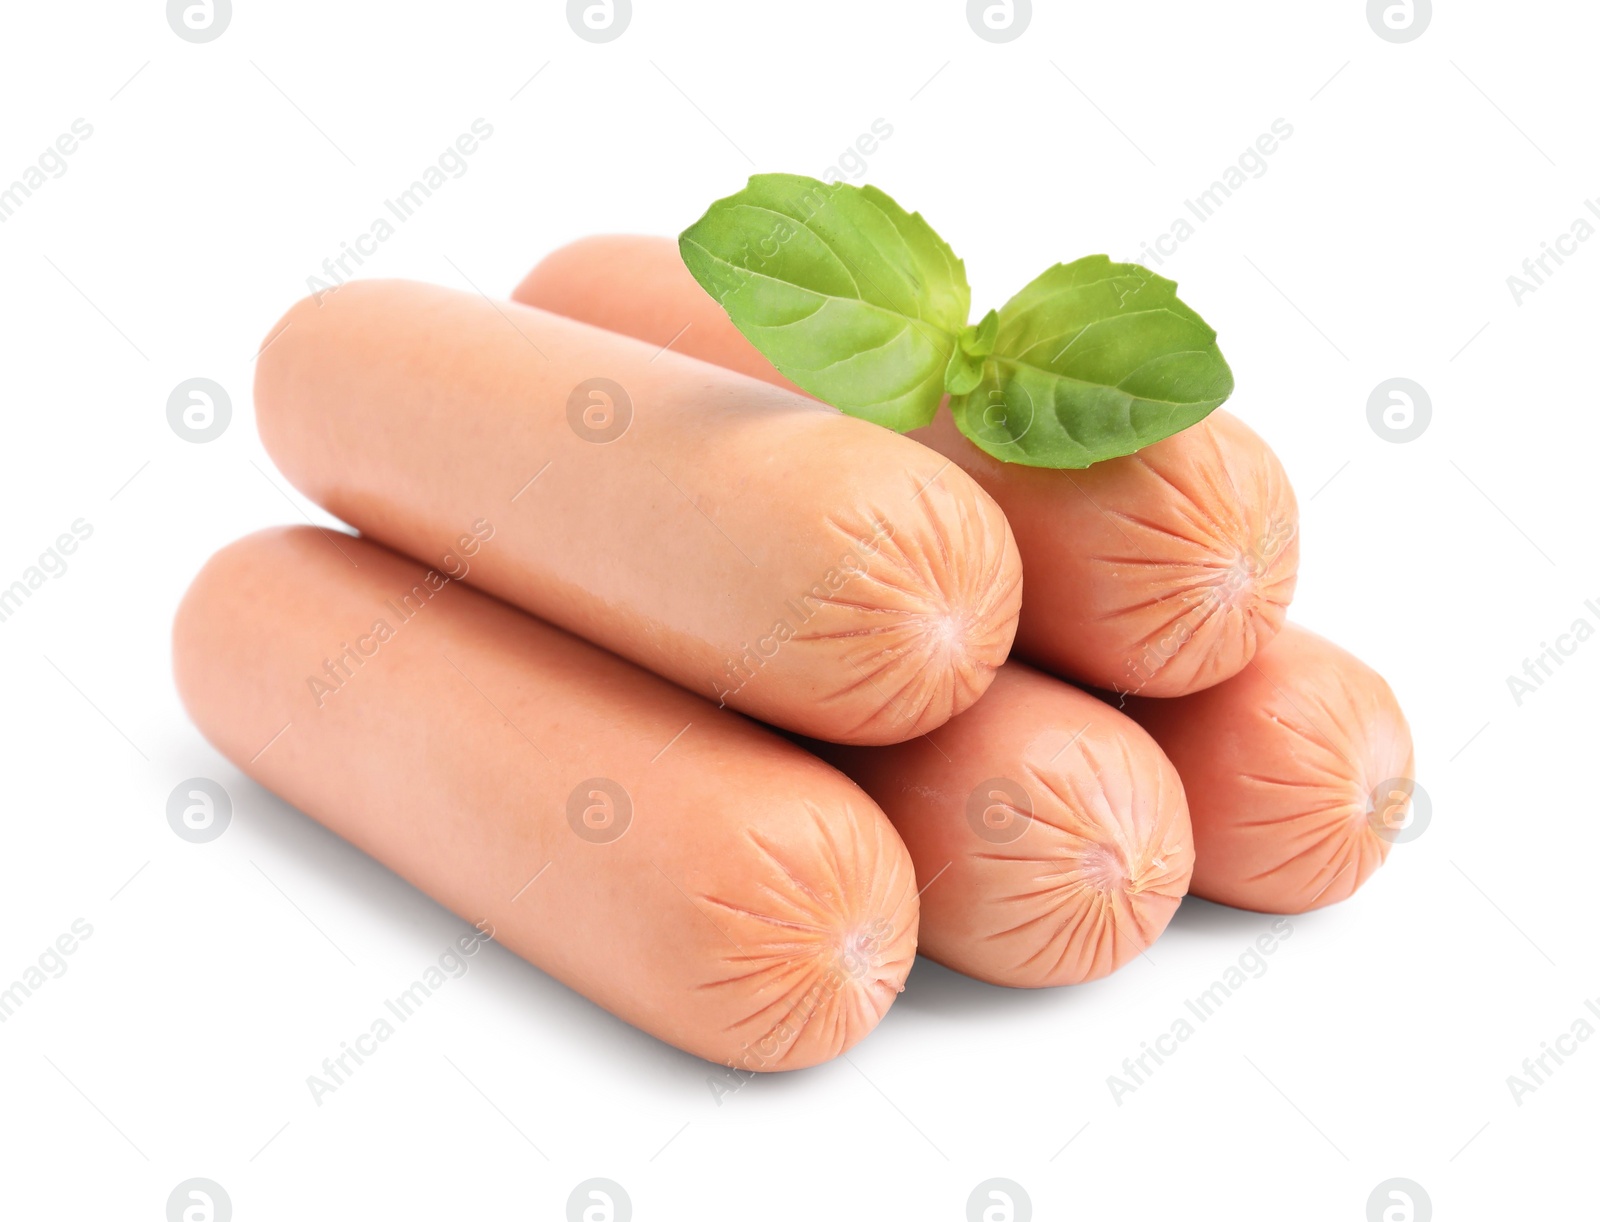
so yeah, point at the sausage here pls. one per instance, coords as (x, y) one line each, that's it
(692, 873)
(637, 285)
(1049, 833)
(1293, 769)
(818, 572)
(1159, 573)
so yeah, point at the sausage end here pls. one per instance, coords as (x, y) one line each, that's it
(1105, 858)
(820, 944)
(935, 615)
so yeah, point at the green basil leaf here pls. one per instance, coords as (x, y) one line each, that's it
(852, 298)
(963, 373)
(979, 338)
(975, 342)
(1092, 360)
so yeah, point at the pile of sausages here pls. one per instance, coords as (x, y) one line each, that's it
(718, 705)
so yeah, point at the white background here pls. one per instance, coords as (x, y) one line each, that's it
(1377, 244)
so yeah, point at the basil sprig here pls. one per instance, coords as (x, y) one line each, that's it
(863, 305)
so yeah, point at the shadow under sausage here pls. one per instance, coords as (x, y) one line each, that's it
(932, 988)
(1198, 916)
